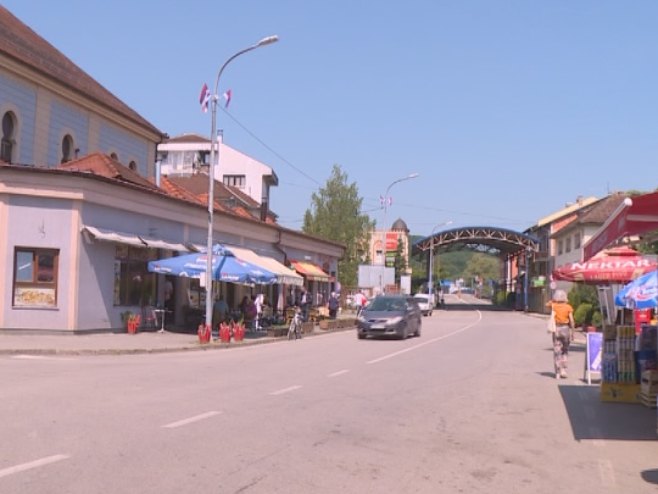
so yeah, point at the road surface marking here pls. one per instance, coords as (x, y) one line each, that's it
(338, 373)
(285, 390)
(428, 342)
(607, 473)
(191, 420)
(33, 464)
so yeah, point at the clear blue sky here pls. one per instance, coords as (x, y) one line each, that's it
(507, 109)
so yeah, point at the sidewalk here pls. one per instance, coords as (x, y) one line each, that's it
(15, 342)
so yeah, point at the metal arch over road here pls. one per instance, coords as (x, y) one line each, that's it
(485, 239)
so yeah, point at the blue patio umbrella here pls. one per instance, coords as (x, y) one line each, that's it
(641, 293)
(225, 267)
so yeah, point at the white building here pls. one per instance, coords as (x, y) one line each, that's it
(188, 153)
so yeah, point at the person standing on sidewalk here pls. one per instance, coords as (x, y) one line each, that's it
(562, 311)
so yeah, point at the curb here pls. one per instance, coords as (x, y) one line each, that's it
(215, 345)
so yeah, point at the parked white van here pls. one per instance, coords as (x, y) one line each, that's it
(426, 303)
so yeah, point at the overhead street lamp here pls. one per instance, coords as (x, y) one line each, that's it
(211, 173)
(429, 278)
(386, 196)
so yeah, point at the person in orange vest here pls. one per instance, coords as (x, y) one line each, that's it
(562, 314)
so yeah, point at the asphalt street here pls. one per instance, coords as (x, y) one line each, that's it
(470, 406)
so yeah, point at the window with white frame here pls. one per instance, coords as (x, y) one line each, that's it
(576, 241)
(35, 277)
(567, 244)
(560, 247)
(239, 181)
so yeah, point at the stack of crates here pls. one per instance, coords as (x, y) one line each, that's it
(626, 354)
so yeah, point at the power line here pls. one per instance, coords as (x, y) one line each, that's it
(262, 143)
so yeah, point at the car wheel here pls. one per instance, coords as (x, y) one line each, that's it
(360, 336)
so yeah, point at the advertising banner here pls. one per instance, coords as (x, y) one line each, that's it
(594, 354)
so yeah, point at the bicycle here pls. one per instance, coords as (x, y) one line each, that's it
(295, 329)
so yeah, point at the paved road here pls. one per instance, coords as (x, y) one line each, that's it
(469, 407)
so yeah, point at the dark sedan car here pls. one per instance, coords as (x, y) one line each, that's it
(390, 315)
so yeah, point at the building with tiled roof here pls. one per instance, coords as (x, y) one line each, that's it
(188, 154)
(84, 212)
(52, 111)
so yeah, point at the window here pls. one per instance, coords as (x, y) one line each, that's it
(559, 247)
(133, 166)
(133, 284)
(567, 244)
(8, 137)
(114, 156)
(576, 241)
(67, 148)
(35, 277)
(238, 181)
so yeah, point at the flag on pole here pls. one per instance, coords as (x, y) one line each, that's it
(227, 97)
(204, 98)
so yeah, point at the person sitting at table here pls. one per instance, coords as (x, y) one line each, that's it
(249, 313)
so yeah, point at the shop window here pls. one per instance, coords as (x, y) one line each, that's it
(8, 137)
(67, 148)
(35, 277)
(133, 284)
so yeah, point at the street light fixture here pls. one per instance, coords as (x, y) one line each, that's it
(429, 278)
(386, 196)
(211, 174)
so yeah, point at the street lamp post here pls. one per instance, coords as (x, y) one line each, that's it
(211, 174)
(386, 196)
(429, 277)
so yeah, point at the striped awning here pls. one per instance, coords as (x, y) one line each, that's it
(284, 274)
(310, 271)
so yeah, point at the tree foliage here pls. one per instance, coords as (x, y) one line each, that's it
(483, 266)
(335, 214)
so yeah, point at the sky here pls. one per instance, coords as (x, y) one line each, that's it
(506, 109)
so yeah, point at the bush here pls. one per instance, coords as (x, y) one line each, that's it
(500, 298)
(597, 319)
(583, 314)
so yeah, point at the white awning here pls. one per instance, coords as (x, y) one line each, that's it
(112, 236)
(155, 243)
(132, 239)
(284, 274)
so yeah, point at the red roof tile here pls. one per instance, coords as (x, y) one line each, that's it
(103, 165)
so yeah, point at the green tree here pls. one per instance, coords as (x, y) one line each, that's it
(335, 214)
(483, 266)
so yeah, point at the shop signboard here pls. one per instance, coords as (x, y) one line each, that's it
(593, 355)
(391, 241)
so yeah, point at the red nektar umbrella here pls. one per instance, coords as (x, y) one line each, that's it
(616, 265)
